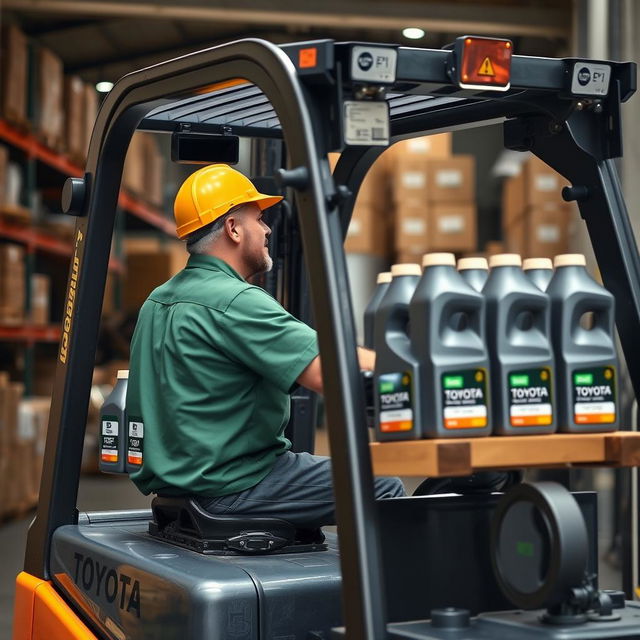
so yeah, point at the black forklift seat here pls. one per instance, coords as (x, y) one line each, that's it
(183, 522)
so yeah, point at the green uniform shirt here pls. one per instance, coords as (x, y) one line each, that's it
(213, 359)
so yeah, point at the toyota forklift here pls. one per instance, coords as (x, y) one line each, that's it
(474, 564)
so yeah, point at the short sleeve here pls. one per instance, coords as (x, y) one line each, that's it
(262, 335)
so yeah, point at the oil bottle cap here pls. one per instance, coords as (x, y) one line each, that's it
(570, 260)
(123, 374)
(537, 263)
(405, 269)
(384, 277)
(438, 260)
(505, 260)
(472, 263)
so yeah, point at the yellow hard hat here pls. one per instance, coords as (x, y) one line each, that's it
(210, 192)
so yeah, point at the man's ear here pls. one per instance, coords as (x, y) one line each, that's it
(232, 229)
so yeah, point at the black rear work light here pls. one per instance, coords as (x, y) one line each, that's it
(482, 63)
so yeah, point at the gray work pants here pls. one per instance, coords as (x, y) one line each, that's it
(299, 489)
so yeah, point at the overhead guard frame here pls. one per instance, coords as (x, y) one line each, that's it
(580, 145)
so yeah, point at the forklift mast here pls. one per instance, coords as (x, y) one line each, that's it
(311, 95)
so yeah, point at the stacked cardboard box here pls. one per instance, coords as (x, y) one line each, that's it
(13, 78)
(536, 222)
(143, 173)
(4, 170)
(434, 198)
(49, 112)
(149, 263)
(90, 106)
(74, 126)
(12, 284)
(369, 229)
(23, 427)
(40, 299)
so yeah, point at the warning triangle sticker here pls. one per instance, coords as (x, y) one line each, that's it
(486, 68)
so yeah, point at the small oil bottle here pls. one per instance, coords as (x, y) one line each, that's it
(395, 383)
(474, 271)
(382, 285)
(539, 271)
(113, 425)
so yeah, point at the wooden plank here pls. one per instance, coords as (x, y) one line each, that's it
(455, 457)
(533, 451)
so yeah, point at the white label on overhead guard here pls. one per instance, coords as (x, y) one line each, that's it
(590, 79)
(547, 182)
(413, 179)
(373, 64)
(449, 178)
(548, 233)
(451, 224)
(366, 123)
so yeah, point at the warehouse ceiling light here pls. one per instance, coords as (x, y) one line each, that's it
(104, 87)
(413, 33)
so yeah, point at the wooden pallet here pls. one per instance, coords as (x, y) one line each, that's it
(464, 456)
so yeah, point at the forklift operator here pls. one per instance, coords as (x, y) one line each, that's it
(213, 361)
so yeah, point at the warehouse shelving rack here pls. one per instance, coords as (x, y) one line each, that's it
(297, 92)
(40, 241)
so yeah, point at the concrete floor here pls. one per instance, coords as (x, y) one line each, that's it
(110, 492)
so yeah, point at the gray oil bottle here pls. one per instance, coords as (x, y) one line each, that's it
(395, 383)
(539, 271)
(474, 271)
(582, 316)
(520, 352)
(113, 427)
(447, 329)
(382, 285)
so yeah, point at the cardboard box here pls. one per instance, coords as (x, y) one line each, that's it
(133, 174)
(514, 235)
(410, 180)
(149, 264)
(40, 299)
(453, 227)
(542, 183)
(13, 76)
(434, 146)
(154, 171)
(49, 107)
(89, 116)
(74, 125)
(547, 230)
(12, 284)
(452, 179)
(411, 229)
(368, 232)
(513, 200)
(4, 167)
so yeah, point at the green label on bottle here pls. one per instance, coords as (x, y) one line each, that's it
(394, 400)
(594, 395)
(464, 399)
(530, 397)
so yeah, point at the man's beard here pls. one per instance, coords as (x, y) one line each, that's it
(261, 265)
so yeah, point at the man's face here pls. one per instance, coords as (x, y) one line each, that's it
(255, 250)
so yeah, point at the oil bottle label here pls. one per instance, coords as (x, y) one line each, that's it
(136, 438)
(396, 406)
(594, 395)
(109, 433)
(464, 399)
(530, 397)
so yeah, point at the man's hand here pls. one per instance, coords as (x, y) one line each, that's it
(311, 377)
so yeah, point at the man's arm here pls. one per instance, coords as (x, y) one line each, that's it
(311, 377)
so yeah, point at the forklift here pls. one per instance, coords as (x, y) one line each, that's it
(434, 566)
